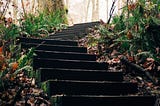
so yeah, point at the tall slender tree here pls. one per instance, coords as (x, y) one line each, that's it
(15, 10)
(50, 5)
(95, 10)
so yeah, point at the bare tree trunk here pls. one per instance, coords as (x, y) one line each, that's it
(15, 10)
(33, 6)
(50, 5)
(87, 9)
(41, 5)
(95, 10)
(107, 8)
(67, 3)
(24, 11)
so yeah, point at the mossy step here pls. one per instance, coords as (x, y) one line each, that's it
(48, 47)
(59, 100)
(47, 41)
(64, 87)
(78, 74)
(65, 55)
(68, 64)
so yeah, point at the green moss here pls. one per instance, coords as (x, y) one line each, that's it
(56, 100)
(45, 86)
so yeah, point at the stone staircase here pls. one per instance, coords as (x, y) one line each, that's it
(71, 77)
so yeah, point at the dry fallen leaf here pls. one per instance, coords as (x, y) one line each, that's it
(14, 66)
(129, 35)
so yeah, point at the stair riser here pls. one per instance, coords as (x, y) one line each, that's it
(104, 101)
(91, 88)
(83, 75)
(47, 41)
(54, 48)
(46, 63)
(73, 30)
(68, 56)
(62, 36)
(66, 33)
(86, 24)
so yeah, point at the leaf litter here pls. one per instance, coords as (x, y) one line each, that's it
(110, 54)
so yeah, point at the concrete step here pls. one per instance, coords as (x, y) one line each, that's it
(59, 100)
(47, 41)
(64, 87)
(68, 64)
(65, 55)
(78, 74)
(48, 47)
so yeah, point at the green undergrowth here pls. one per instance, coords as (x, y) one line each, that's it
(16, 71)
(134, 32)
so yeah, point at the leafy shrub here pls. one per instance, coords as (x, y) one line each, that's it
(135, 29)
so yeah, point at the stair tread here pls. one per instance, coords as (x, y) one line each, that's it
(78, 74)
(70, 64)
(78, 53)
(87, 23)
(107, 96)
(35, 44)
(65, 55)
(48, 41)
(74, 78)
(79, 100)
(80, 70)
(48, 47)
(91, 82)
(68, 87)
(61, 34)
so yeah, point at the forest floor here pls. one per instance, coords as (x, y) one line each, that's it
(146, 74)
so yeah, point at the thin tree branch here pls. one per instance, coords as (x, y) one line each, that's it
(5, 9)
(25, 15)
(138, 69)
(111, 11)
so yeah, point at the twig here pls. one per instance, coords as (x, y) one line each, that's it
(5, 8)
(17, 95)
(43, 100)
(25, 15)
(138, 69)
(111, 11)
(127, 14)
